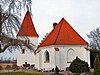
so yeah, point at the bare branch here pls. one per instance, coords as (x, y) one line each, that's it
(10, 23)
(94, 37)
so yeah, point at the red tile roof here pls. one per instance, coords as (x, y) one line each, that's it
(63, 34)
(27, 27)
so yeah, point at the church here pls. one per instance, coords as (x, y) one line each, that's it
(58, 48)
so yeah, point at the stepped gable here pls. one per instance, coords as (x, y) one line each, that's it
(27, 27)
(63, 34)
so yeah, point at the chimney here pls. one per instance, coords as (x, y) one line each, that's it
(54, 25)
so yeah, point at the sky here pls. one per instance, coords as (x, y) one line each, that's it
(82, 15)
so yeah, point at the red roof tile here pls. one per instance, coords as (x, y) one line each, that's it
(27, 27)
(63, 34)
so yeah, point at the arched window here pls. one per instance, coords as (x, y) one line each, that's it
(70, 55)
(46, 57)
(23, 51)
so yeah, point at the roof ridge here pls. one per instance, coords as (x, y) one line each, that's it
(58, 32)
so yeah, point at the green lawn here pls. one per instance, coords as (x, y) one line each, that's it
(19, 73)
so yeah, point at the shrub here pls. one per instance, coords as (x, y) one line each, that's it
(8, 67)
(93, 54)
(32, 66)
(14, 66)
(78, 66)
(96, 66)
(26, 66)
(1, 68)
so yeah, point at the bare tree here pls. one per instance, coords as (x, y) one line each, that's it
(94, 37)
(10, 11)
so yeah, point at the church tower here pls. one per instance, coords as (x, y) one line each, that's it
(27, 33)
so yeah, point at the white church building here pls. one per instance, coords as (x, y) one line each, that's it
(59, 48)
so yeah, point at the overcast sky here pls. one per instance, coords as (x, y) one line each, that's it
(82, 15)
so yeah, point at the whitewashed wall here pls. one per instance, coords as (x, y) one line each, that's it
(88, 57)
(62, 56)
(51, 64)
(33, 40)
(29, 56)
(79, 51)
(57, 58)
(37, 61)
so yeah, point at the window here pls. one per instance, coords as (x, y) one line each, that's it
(23, 51)
(27, 41)
(46, 57)
(70, 55)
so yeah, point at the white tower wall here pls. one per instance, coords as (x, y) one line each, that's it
(28, 56)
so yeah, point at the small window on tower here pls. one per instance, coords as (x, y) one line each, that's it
(23, 51)
(28, 41)
(25, 41)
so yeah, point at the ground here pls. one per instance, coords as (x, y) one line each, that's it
(19, 73)
(23, 73)
(31, 72)
(28, 72)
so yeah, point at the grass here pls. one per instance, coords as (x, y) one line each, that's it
(19, 73)
(76, 74)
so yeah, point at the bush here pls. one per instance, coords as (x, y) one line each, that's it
(8, 67)
(79, 66)
(93, 54)
(1, 68)
(96, 66)
(14, 66)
